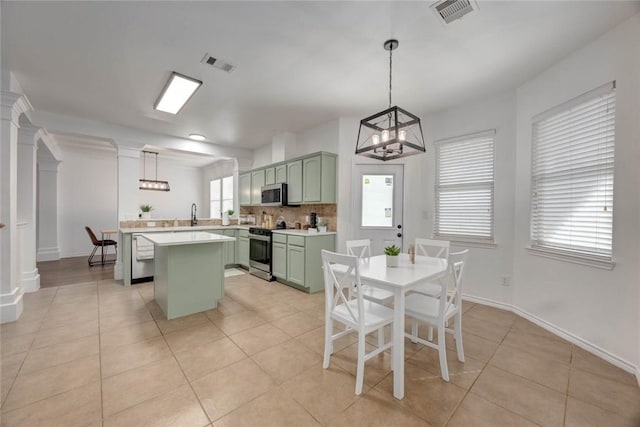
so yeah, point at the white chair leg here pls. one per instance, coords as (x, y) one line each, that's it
(442, 350)
(430, 334)
(414, 330)
(328, 341)
(391, 352)
(360, 369)
(458, 336)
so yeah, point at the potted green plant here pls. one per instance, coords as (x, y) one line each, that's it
(322, 226)
(226, 215)
(146, 211)
(392, 253)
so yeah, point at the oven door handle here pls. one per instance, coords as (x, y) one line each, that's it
(257, 237)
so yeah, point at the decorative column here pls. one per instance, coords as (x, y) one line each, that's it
(128, 176)
(13, 105)
(27, 170)
(48, 210)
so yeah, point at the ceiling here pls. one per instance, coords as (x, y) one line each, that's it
(299, 64)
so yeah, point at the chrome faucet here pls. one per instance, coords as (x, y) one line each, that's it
(194, 221)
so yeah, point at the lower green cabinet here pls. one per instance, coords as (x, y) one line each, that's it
(296, 259)
(295, 265)
(243, 251)
(279, 260)
(229, 248)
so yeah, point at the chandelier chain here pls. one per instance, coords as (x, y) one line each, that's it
(390, 73)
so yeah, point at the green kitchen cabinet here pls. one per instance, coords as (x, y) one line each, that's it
(269, 176)
(319, 179)
(294, 182)
(229, 248)
(243, 248)
(295, 265)
(257, 182)
(244, 189)
(281, 174)
(279, 260)
(297, 261)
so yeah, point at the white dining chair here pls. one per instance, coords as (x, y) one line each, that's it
(437, 311)
(357, 314)
(432, 248)
(362, 249)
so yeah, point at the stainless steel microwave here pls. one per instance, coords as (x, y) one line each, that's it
(274, 195)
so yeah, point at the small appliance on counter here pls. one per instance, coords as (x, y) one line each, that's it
(313, 220)
(280, 223)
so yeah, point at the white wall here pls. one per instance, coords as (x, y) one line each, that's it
(598, 306)
(87, 196)
(262, 156)
(186, 188)
(486, 266)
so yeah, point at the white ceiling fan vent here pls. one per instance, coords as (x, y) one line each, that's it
(217, 63)
(451, 10)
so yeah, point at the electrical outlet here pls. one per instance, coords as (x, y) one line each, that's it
(151, 223)
(505, 280)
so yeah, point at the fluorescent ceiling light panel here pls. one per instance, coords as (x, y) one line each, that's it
(178, 90)
(197, 137)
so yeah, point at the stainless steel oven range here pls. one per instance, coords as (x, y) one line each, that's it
(260, 252)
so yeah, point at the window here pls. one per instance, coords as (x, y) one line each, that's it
(464, 188)
(572, 176)
(221, 191)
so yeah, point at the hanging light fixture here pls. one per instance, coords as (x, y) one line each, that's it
(392, 133)
(152, 184)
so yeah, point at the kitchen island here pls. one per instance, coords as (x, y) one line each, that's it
(189, 271)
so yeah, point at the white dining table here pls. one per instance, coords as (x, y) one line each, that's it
(400, 280)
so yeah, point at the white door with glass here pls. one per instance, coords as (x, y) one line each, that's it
(378, 205)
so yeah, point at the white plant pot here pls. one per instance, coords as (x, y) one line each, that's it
(392, 261)
(225, 218)
(322, 228)
(146, 215)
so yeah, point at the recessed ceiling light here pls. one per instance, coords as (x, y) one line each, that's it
(178, 90)
(197, 137)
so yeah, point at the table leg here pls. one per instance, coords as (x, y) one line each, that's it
(102, 251)
(398, 344)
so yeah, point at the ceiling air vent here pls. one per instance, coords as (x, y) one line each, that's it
(217, 63)
(450, 10)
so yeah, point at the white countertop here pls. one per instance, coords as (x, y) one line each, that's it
(184, 228)
(304, 233)
(186, 238)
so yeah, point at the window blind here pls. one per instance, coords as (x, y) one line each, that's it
(572, 175)
(464, 187)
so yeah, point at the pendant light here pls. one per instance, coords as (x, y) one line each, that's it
(392, 133)
(152, 184)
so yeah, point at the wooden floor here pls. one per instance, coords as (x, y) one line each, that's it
(69, 271)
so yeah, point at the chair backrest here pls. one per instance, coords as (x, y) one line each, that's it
(432, 248)
(359, 248)
(341, 274)
(92, 236)
(456, 262)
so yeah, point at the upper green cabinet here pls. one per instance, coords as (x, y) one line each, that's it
(281, 174)
(244, 189)
(319, 179)
(269, 176)
(294, 182)
(257, 182)
(309, 179)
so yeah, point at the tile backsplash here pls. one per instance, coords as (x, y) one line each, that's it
(291, 214)
(143, 223)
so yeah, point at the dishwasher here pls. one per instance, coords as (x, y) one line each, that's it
(142, 254)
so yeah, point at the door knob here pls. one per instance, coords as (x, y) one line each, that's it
(399, 234)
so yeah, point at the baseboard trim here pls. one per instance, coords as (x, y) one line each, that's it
(31, 281)
(11, 306)
(48, 254)
(568, 336)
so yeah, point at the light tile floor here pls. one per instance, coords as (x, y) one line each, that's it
(97, 353)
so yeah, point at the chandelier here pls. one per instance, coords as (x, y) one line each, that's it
(151, 184)
(392, 133)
